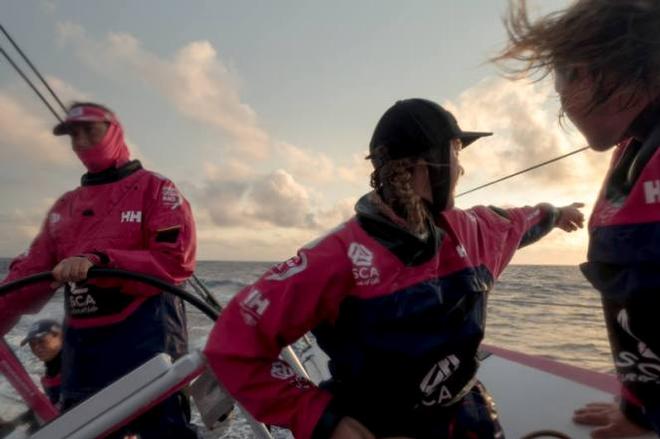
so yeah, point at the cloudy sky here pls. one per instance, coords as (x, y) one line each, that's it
(262, 111)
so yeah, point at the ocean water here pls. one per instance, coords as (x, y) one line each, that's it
(542, 310)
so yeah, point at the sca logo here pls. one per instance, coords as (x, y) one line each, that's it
(432, 385)
(364, 271)
(641, 366)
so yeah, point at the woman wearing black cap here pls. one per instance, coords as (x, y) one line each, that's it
(45, 339)
(396, 297)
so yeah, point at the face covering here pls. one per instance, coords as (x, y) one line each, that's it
(111, 152)
(439, 171)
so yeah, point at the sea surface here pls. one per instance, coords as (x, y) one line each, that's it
(542, 310)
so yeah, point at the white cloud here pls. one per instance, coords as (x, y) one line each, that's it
(279, 200)
(201, 86)
(27, 136)
(194, 79)
(247, 241)
(66, 92)
(330, 217)
(225, 203)
(524, 120)
(19, 226)
(357, 171)
(249, 244)
(275, 199)
(230, 170)
(305, 164)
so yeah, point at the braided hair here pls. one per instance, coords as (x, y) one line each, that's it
(393, 180)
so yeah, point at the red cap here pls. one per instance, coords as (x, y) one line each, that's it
(83, 113)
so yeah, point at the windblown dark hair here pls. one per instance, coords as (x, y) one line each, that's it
(617, 41)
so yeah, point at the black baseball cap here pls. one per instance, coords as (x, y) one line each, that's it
(411, 127)
(41, 328)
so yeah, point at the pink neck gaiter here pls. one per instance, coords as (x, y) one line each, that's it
(111, 152)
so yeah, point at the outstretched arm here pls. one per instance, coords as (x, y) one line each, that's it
(492, 234)
(545, 217)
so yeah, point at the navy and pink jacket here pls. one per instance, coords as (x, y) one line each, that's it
(400, 318)
(127, 218)
(624, 265)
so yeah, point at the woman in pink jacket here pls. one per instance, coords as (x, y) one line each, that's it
(605, 59)
(396, 297)
(121, 216)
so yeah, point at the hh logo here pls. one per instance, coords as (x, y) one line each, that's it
(363, 270)
(253, 307)
(131, 216)
(652, 191)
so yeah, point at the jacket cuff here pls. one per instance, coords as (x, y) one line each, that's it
(99, 259)
(547, 222)
(634, 413)
(553, 213)
(328, 421)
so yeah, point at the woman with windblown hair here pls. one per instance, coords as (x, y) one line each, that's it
(396, 297)
(605, 59)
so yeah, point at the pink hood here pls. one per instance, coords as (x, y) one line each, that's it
(110, 152)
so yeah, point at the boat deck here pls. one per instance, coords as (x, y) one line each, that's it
(533, 393)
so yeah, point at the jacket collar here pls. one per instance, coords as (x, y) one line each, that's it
(382, 224)
(110, 175)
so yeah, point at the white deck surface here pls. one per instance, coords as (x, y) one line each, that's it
(529, 399)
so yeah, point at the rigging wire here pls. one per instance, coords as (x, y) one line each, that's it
(531, 168)
(32, 66)
(27, 80)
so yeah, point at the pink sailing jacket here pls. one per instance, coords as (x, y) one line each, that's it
(127, 218)
(390, 311)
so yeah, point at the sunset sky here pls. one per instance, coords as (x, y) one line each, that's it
(262, 111)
